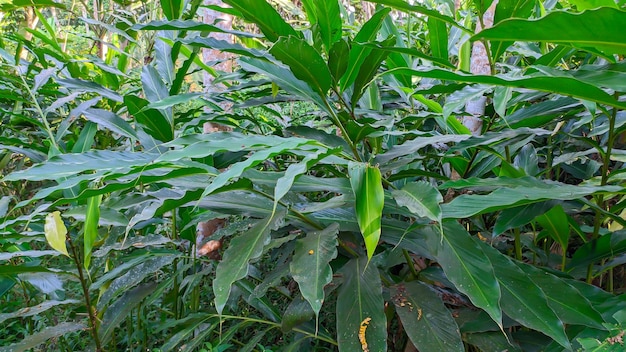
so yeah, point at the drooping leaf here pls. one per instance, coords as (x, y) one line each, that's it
(562, 85)
(92, 220)
(65, 165)
(111, 121)
(55, 232)
(283, 78)
(369, 196)
(426, 320)
(421, 199)
(34, 310)
(259, 12)
(304, 61)
(310, 265)
(284, 184)
(34, 340)
(407, 7)
(465, 206)
(569, 303)
(466, 266)
(240, 251)
(566, 28)
(360, 305)
(522, 300)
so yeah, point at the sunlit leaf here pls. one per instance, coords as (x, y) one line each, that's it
(271, 24)
(56, 231)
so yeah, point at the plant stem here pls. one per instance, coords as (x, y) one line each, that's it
(518, 244)
(91, 310)
(604, 178)
(409, 262)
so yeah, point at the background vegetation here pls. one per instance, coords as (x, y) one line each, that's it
(361, 213)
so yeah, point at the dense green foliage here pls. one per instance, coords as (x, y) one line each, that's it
(362, 215)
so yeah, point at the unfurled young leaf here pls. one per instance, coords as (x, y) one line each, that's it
(55, 232)
(368, 191)
(92, 219)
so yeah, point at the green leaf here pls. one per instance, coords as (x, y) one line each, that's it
(111, 121)
(407, 7)
(522, 300)
(368, 191)
(304, 61)
(507, 9)
(265, 16)
(172, 100)
(358, 51)
(284, 184)
(310, 265)
(35, 310)
(66, 165)
(426, 320)
(55, 232)
(171, 8)
(329, 21)
(121, 308)
(550, 84)
(566, 28)
(421, 199)
(360, 305)
(189, 25)
(92, 219)
(582, 5)
(235, 170)
(438, 38)
(149, 264)
(569, 304)
(154, 122)
(607, 246)
(368, 69)
(36, 339)
(282, 77)
(241, 250)
(513, 217)
(466, 266)
(78, 85)
(555, 222)
(338, 59)
(465, 206)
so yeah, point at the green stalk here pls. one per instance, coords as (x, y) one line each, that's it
(44, 120)
(91, 310)
(606, 160)
(518, 244)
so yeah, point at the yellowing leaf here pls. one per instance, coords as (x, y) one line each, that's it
(55, 232)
